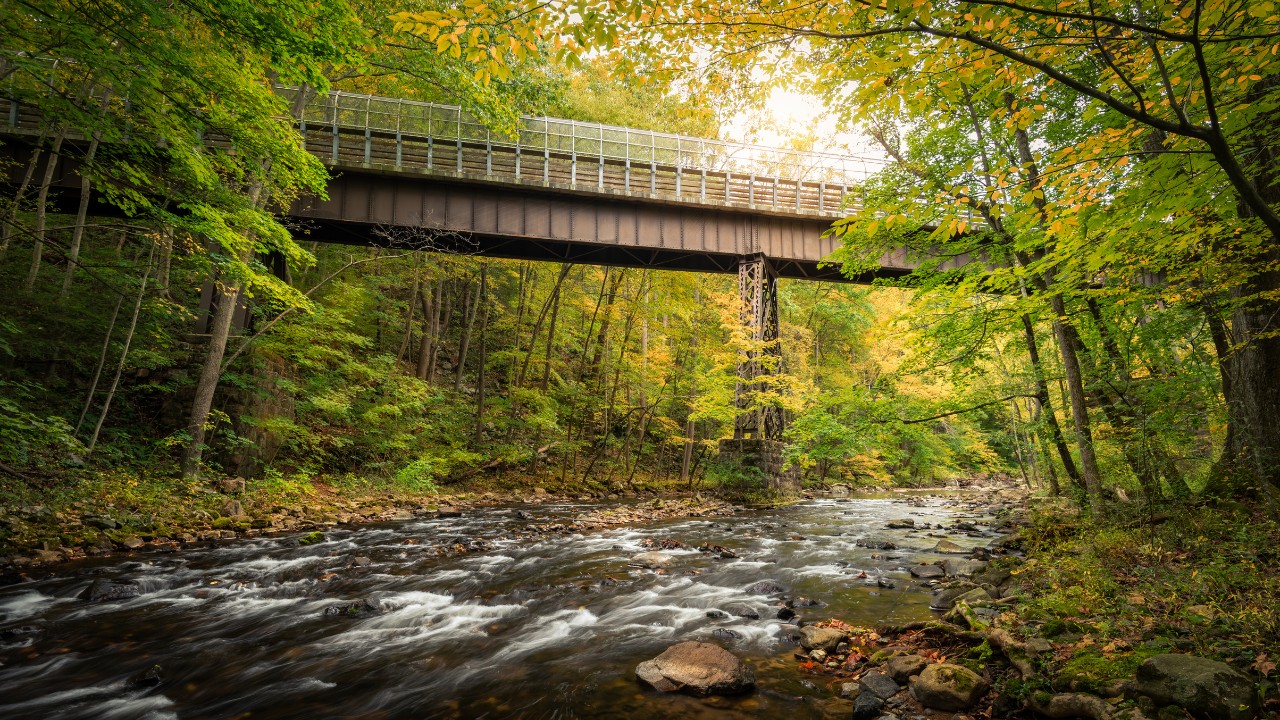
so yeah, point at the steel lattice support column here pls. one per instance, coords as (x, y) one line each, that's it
(758, 294)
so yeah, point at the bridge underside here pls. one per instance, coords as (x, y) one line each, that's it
(552, 250)
(531, 223)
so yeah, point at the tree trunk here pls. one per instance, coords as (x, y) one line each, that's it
(42, 209)
(1066, 336)
(470, 311)
(102, 362)
(82, 214)
(1042, 397)
(537, 324)
(408, 321)
(551, 337)
(439, 326)
(12, 219)
(220, 329)
(424, 344)
(124, 353)
(480, 379)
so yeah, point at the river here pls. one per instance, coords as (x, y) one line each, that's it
(546, 626)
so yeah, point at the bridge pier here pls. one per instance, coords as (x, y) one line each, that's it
(757, 433)
(758, 294)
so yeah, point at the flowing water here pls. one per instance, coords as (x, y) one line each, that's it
(550, 626)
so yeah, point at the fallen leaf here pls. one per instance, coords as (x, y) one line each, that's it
(1263, 665)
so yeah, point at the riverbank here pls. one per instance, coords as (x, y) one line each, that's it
(1149, 615)
(103, 513)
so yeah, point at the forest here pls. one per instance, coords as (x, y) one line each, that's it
(1090, 192)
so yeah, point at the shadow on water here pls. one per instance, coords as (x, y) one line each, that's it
(529, 627)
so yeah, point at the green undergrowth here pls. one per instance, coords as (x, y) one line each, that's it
(1201, 579)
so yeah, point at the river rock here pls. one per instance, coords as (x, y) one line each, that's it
(652, 559)
(149, 678)
(944, 599)
(974, 596)
(1205, 688)
(448, 511)
(726, 634)
(962, 568)
(103, 590)
(231, 486)
(901, 524)
(698, 668)
(358, 609)
(927, 572)
(944, 686)
(743, 611)
(766, 587)
(946, 546)
(902, 667)
(813, 638)
(879, 684)
(786, 613)
(867, 706)
(231, 508)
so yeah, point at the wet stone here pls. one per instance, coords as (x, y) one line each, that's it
(103, 590)
(879, 684)
(925, 572)
(867, 706)
(697, 668)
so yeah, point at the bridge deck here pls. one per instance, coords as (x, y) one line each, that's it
(429, 175)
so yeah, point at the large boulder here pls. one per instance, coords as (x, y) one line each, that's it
(698, 668)
(820, 638)
(1205, 688)
(943, 686)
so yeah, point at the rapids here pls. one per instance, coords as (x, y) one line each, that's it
(544, 627)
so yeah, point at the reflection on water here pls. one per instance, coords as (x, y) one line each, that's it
(544, 627)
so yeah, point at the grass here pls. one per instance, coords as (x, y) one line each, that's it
(1203, 579)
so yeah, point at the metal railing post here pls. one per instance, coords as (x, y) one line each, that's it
(653, 165)
(13, 112)
(775, 192)
(519, 135)
(368, 144)
(626, 150)
(488, 154)
(546, 152)
(677, 167)
(799, 185)
(822, 196)
(335, 138)
(751, 191)
(573, 155)
(600, 174)
(459, 163)
(702, 188)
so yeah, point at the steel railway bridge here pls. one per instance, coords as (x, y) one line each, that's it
(570, 191)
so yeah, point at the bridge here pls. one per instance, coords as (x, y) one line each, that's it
(407, 173)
